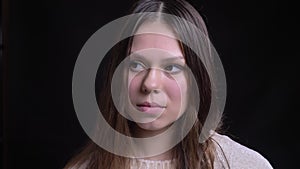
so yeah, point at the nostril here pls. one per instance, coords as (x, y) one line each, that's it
(156, 91)
(144, 89)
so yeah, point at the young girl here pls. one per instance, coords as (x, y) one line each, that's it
(156, 83)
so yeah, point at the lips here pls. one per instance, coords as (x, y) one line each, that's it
(146, 106)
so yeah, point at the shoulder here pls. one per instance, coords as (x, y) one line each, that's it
(237, 155)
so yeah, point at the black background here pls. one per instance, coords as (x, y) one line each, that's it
(42, 40)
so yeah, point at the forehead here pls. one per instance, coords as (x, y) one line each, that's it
(156, 35)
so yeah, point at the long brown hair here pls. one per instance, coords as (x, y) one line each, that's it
(189, 153)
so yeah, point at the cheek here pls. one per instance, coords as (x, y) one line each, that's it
(173, 90)
(177, 93)
(134, 83)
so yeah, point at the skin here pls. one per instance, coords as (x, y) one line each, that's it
(156, 75)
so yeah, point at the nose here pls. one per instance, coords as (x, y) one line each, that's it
(152, 81)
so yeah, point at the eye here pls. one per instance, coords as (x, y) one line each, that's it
(173, 68)
(136, 66)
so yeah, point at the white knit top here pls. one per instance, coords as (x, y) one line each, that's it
(237, 157)
(150, 164)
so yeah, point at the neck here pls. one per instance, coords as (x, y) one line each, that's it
(142, 133)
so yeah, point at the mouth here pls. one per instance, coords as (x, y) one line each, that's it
(144, 107)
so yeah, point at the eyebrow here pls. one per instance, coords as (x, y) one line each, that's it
(167, 59)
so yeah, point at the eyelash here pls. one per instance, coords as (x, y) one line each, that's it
(133, 66)
(143, 67)
(178, 67)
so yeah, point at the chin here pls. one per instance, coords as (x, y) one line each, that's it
(154, 126)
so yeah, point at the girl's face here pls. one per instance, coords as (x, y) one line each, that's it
(157, 82)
